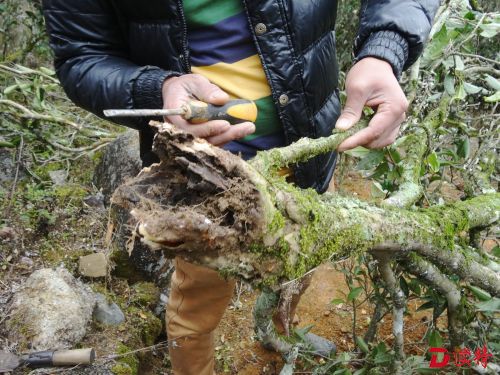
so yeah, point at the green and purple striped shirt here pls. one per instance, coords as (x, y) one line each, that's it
(222, 50)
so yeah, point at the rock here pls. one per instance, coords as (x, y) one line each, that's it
(120, 160)
(26, 261)
(161, 305)
(7, 233)
(96, 200)
(107, 313)
(93, 265)
(142, 263)
(8, 362)
(58, 177)
(51, 310)
(7, 166)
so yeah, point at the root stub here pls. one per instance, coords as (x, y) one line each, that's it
(198, 201)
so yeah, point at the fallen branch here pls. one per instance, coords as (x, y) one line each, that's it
(212, 208)
(29, 114)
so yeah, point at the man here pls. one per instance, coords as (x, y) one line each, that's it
(280, 53)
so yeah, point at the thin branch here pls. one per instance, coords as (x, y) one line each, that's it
(302, 150)
(479, 57)
(431, 275)
(415, 146)
(472, 34)
(16, 176)
(37, 116)
(378, 314)
(455, 261)
(22, 70)
(398, 300)
(482, 69)
(93, 146)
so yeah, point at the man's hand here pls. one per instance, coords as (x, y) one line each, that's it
(371, 82)
(180, 90)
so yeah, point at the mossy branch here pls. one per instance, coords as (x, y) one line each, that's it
(212, 208)
(414, 147)
(267, 162)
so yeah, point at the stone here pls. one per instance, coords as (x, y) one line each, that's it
(106, 312)
(7, 233)
(26, 261)
(7, 166)
(58, 177)
(51, 310)
(95, 200)
(120, 161)
(161, 305)
(319, 345)
(93, 265)
(8, 362)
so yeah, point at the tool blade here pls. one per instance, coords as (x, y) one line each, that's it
(143, 112)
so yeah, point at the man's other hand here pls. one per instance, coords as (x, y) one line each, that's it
(180, 90)
(371, 82)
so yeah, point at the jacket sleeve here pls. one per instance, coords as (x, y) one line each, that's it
(91, 59)
(394, 30)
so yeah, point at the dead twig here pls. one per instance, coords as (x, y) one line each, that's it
(29, 114)
(16, 176)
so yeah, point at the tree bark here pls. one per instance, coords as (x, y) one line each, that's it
(212, 208)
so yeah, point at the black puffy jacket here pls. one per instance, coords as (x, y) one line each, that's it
(117, 53)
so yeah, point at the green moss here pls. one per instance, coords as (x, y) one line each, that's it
(96, 156)
(277, 223)
(227, 273)
(145, 327)
(145, 294)
(123, 266)
(314, 243)
(269, 282)
(43, 170)
(126, 365)
(24, 331)
(454, 224)
(70, 194)
(122, 369)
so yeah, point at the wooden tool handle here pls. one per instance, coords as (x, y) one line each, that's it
(73, 357)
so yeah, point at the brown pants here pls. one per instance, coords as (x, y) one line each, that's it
(198, 298)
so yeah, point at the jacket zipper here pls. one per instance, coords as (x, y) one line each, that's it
(185, 50)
